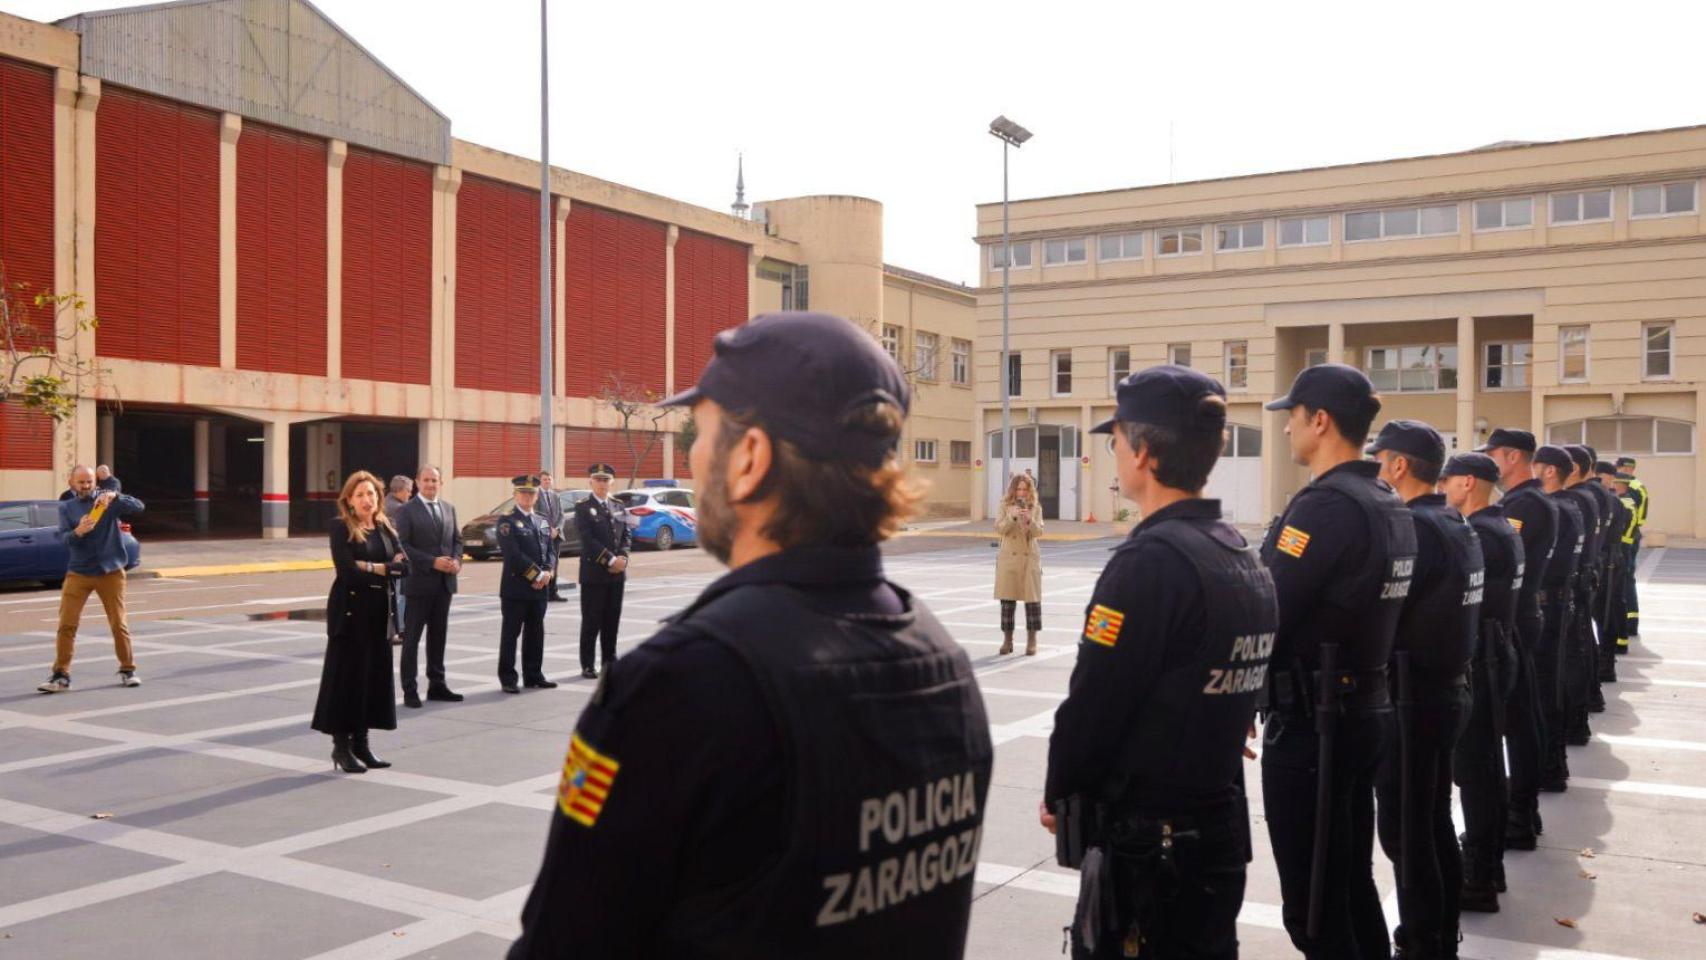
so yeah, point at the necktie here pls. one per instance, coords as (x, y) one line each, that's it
(437, 518)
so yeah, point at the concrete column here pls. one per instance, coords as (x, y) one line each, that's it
(275, 480)
(83, 230)
(104, 440)
(672, 236)
(446, 181)
(1335, 349)
(752, 288)
(1699, 475)
(203, 489)
(337, 151)
(230, 128)
(65, 194)
(1086, 503)
(560, 304)
(1466, 377)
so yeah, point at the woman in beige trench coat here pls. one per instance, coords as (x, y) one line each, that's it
(1019, 562)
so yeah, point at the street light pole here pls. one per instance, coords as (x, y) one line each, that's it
(547, 458)
(1011, 135)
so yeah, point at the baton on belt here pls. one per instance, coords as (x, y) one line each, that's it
(1326, 731)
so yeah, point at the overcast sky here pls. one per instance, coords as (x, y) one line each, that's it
(891, 100)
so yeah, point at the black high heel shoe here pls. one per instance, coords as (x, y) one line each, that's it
(358, 747)
(342, 758)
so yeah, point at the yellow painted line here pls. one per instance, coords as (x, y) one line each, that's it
(230, 569)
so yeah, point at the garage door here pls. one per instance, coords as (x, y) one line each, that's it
(1237, 478)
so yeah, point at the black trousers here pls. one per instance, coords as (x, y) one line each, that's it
(1549, 660)
(1581, 673)
(524, 619)
(430, 613)
(1429, 888)
(1353, 925)
(1522, 732)
(1478, 767)
(601, 616)
(1631, 600)
(1197, 914)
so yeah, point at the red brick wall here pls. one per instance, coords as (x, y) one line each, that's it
(26, 438)
(387, 276)
(710, 297)
(497, 286)
(26, 195)
(281, 251)
(614, 301)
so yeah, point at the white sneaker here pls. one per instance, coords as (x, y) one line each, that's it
(58, 683)
(128, 678)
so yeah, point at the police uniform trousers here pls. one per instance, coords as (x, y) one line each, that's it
(1616, 617)
(1631, 599)
(601, 616)
(1478, 764)
(1549, 669)
(1522, 734)
(1580, 671)
(524, 619)
(1353, 925)
(1429, 887)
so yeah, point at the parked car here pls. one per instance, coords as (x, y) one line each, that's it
(30, 548)
(661, 517)
(480, 535)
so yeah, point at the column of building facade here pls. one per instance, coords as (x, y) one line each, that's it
(77, 441)
(275, 479)
(437, 433)
(671, 236)
(337, 152)
(1466, 379)
(230, 128)
(560, 338)
(203, 490)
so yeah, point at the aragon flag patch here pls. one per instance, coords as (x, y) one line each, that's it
(1103, 625)
(1292, 542)
(1515, 523)
(587, 778)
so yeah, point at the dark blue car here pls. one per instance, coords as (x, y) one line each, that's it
(30, 548)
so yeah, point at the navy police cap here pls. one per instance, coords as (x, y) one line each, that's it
(1412, 438)
(1332, 387)
(1504, 437)
(1477, 465)
(1581, 456)
(1554, 456)
(801, 376)
(1168, 396)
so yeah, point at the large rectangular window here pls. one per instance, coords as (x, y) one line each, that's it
(1581, 206)
(1063, 250)
(1178, 241)
(1060, 368)
(1120, 246)
(1398, 222)
(924, 451)
(962, 362)
(1021, 255)
(1656, 350)
(1119, 367)
(1237, 365)
(1662, 199)
(1014, 370)
(1572, 354)
(1304, 231)
(1179, 354)
(891, 341)
(1413, 369)
(1510, 213)
(1505, 365)
(924, 350)
(959, 453)
(1239, 236)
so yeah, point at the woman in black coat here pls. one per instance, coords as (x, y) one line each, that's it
(356, 686)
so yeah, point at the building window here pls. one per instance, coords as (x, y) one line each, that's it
(962, 362)
(1304, 232)
(1572, 354)
(924, 349)
(1656, 350)
(1060, 366)
(1014, 368)
(1239, 236)
(924, 451)
(802, 288)
(1119, 367)
(1241, 441)
(1413, 369)
(1508, 214)
(1062, 250)
(1661, 199)
(1315, 356)
(1400, 222)
(1179, 354)
(1631, 435)
(959, 453)
(1120, 246)
(1021, 255)
(1505, 365)
(1237, 365)
(1581, 206)
(891, 341)
(1178, 241)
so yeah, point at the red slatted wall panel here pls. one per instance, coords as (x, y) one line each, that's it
(496, 449)
(615, 301)
(281, 251)
(26, 438)
(497, 286)
(710, 297)
(583, 447)
(26, 197)
(157, 229)
(387, 285)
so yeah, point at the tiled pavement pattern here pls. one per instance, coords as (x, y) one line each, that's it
(223, 832)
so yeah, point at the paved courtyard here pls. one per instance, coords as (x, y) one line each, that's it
(198, 815)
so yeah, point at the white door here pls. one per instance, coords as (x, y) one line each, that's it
(1024, 461)
(1070, 450)
(1237, 478)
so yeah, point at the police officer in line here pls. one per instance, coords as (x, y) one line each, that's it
(797, 764)
(1643, 499)
(1479, 763)
(1146, 757)
(1579, 658)
(524, 538)
(1341, 556)
(1553, 466)
(1612, 619)
(1600, 635)
(602, 522)
(1631, 537)
(1430, 655)
(1535, 518)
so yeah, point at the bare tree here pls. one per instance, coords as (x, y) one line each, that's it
(34, 371)
(641, 418)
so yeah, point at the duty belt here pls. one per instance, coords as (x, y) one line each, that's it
(1292, 691)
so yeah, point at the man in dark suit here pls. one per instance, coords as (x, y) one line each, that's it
(526, 545)
(432, 539)
(551, 508)
(602, 523)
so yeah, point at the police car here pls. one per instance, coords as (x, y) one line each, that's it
(661, 516)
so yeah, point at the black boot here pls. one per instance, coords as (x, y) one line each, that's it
(361, 751)
(1480, 894)
(342, 758)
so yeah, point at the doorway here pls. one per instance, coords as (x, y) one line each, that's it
(1048, 452)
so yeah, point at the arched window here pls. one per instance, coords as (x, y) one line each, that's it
(1654, 436)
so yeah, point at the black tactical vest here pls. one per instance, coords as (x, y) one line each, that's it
(1189, 734)
(1392, 546)
(1442, 615)
(1501, 552)
(1561, 572)
(887, 755)
(1592, 529)
(1608, 508)
(1535, 562)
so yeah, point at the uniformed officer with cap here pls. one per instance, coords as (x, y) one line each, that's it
(1600, 635)
(1553, 466)
(1431, 655)
(524, 538)
(1631, 539)
(1643, 501)
(1341, 555)
(1579, 655)
(1535, 518)
(606, 539)
(797, 764)
(1478, 765)
(1146, 757)
(1617, 538)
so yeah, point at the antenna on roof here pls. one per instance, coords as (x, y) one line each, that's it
(740, 207)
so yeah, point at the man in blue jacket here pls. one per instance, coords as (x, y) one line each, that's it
(89, 526)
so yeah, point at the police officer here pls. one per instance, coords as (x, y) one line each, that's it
(1631, 538)
(602, 522)
(1147, 748)
(1341, 556)
(797, 764)
(1643, 500)
(1535, 518)
(1553, 466)
(1601, 636)
(1431, 655)
(524, 537)
(1478, 765)
(1612, 619)
(1579, 671)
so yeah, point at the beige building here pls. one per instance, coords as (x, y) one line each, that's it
(1558, 287)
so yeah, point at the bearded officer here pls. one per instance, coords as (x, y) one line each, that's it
(797, 764)
(524, 537)
(1147, 749)
(602, 523)
(1341, 557)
